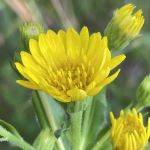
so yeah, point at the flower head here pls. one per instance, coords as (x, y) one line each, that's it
(67, 65)
(128, 131)
(124, 26)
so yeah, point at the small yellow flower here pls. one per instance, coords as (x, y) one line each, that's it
(124, 26)
(67, 65)
(128, 131)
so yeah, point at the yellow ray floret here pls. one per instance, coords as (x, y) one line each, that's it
(128, 131)
(68, 65)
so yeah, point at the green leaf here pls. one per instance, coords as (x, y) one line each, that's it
(10, 128)
(53, 110)
(56, 118)
(106, 146)
(97, 117)
(103, 140)
(15, 140)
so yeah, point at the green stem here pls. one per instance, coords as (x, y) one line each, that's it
(39, 109)
(76, 123)
(101, 141)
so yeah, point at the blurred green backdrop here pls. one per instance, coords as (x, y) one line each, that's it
(15, 101)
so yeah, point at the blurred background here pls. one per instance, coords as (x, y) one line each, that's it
(15, 101)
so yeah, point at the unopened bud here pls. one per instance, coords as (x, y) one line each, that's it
(143, 92)
(124, 27)
(29, 31)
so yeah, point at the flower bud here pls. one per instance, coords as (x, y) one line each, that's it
(124, 27)
(128, 131)
(30, 30)
(143, 92)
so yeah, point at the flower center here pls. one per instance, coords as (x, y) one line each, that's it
(71, 76)
(132, 125)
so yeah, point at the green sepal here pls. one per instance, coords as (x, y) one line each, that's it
(117, 39)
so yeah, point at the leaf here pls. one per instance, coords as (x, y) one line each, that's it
(99, 110)
(97, 117)
(15, 140)
(56, 118)
(10, 128)
(103, 140)
(54, 109)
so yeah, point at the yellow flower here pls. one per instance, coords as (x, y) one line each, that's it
(124, 26)
(128, 131)
(67, 65)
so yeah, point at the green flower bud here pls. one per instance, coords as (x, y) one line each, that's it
(29, 31)
(124, 27)
(143, 92)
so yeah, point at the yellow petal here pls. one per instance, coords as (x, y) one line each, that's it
(84, 35)
(28, 74)
(76, 94)
(30, 63)
(94, 45)
(27, 60)
(101, 75)
(95, 90)
(116, 61)
(62, 36)
(56, 47)
(28, 84)
(35, 51)
(21, 68)
(110, 78)
(73, 45)
(112, 118)
(97, 52)
(45, 48)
